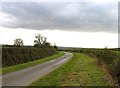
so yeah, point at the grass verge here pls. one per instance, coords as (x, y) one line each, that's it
(81, 70)
(29, 64)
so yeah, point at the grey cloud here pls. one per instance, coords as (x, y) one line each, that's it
(63, 16)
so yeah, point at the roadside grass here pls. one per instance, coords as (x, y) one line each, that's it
(81, 70)
(0, 71)
(31, 63)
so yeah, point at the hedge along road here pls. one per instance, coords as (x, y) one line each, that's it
(27, 76)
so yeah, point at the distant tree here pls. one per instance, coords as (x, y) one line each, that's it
(18, 42)
(40, 41)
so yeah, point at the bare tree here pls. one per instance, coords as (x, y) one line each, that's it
(40, 40)
(18, 42)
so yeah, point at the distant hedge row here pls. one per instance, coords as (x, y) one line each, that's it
(17, 55)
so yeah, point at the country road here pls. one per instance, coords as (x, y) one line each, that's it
(27, 76)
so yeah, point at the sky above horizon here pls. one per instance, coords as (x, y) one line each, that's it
(92, 24)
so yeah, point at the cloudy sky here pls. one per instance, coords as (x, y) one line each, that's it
(80, 23)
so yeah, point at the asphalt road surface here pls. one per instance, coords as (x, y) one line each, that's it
(27, 76)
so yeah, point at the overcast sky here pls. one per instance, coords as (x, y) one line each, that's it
(76, 24)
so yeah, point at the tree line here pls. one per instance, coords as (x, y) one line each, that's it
(40, 41)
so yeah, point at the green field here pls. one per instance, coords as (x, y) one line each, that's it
(81, 70)
(29, 64)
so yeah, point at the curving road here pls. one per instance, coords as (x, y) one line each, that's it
(27, 76)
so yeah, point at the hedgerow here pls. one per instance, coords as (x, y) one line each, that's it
(18, 55)
(109, 58)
